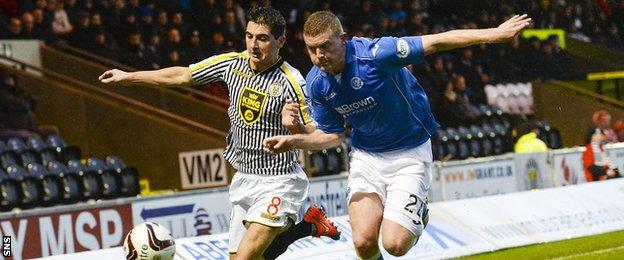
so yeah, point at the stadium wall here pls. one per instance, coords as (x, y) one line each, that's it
(569, 110)
(206, 112)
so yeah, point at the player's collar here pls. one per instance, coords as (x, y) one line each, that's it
(349, 55)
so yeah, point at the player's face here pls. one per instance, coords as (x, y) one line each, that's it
(262, 46)
(327, 51)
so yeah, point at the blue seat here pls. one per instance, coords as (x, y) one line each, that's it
(64, 152)
(10, 192)
(72, 187)
(129, 176)
(51, 184)
(110, 180)
(31, 189)
(7, 156)
(89, 180)
(46, 153)
(25, 154)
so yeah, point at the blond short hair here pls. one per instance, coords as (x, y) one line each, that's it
(321, 21)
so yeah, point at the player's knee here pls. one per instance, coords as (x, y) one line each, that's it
(397, 247)
(365, 245)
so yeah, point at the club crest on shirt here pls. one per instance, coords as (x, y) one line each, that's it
(356, 83)
(275, 89)
(402, 49)
(251, 105)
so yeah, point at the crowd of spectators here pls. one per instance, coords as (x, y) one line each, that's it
(152, 34)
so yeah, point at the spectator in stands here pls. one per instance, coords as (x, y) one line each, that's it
(154, 51)
(162, 22)
(601, 119)
(528, 142)
(596, 164)
(177, 21)
(61, 27)
(133, 53)
(72, 9)
(82, 35)
(232, 29)
(618, 128)
(456, 108)
(437, 75)
(217, 43)
(17, 110)
(30, 31)
(102, 46)
(15, 29)
(147, 26)
(194, 51)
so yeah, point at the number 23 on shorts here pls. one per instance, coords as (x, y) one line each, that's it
(273, 208)
(421, 210)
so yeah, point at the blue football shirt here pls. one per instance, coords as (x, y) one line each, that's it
(381, 100)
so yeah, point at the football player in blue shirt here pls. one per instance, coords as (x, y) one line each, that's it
(364, 82)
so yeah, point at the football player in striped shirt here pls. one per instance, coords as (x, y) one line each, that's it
(266, 192)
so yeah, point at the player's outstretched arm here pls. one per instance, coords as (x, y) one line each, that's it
(461, 38)
(172, 76)
(316, 140)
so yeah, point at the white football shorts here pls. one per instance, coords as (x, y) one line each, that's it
(401, 178)
(271, 200)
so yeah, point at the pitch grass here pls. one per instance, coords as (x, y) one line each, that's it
(604, 246)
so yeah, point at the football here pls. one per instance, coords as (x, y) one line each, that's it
(149, 241)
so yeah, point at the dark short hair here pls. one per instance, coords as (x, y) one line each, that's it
(269, 17)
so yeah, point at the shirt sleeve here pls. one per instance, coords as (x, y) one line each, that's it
(325, 116)
(391, 53)
(212, 69)
(299, 93)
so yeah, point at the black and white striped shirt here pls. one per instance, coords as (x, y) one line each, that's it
(255, 109)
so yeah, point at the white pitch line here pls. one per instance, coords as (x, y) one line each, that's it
(590, 253)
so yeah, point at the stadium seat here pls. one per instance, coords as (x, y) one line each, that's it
(476, 144)
(51, 184)
(30, 187)
(447, 141)
(25, 154)
(110, 179)
(488, 140)
(7, 156)
(89, 180)
(500, 139)
(318, 165)
(46, 153)
(64, 152)
(333, 161)
(10, 192)
(463, 146)
(129, 176)
(72, 189)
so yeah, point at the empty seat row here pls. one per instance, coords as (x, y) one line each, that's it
(474, 141)
(58, 183)
(512, 98)
(36, 150)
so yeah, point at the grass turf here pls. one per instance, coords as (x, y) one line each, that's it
(603, 246)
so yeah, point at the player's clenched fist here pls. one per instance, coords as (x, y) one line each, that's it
(277, 144)
(290, 115)
(114, 76)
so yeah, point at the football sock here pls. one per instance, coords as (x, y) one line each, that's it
(283, 240)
